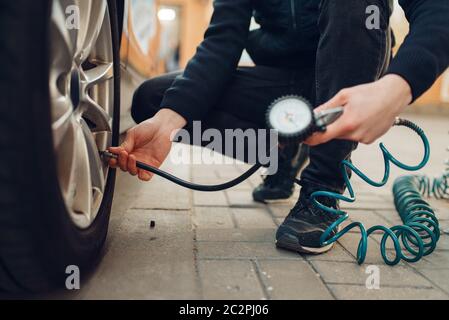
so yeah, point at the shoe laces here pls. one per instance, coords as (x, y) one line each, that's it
(305, 206)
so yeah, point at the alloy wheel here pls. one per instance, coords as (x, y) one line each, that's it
(82, 103)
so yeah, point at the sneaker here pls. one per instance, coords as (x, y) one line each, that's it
(304, 225)
(280, 186)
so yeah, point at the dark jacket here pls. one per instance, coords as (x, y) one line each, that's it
(421, 59)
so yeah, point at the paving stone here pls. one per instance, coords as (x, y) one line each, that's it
(443, 243)
(230, 280)
(253, 218)
(244, 186)
(124, 196)
(338, 253)
(350, 241)
(378, 238)
(255, 179)
(439, 276)
(237, 235)
(242, 198)
(161, 194)
(444, 226)
(200, 174)
(436, 260)
(353, 292)
(229, 250)
(347, 222)
(368, 218)
(279, 221)
(278, 276)
(351, 273)
(229, 171)
(368, 205)
(280, 210)
(391, 216)
(364, 191)
(212, 218)
(144, 263)
(371, 197)
(206, 199)
(441, 208)
(206, 180)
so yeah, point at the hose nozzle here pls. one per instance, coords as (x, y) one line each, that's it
(106, 155)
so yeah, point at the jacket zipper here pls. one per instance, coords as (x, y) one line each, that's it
(293, 8)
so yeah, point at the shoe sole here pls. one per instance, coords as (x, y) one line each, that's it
(290, 244)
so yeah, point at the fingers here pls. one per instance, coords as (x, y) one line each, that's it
(334, 131)
(113, 163)
(115, 150)
(123, 158)
(128, 144)
(145, 175)
(128, 163)
(127, 147)
(132, 166)
(124, 162)
(339, 128)
(340, 99)
(343, 128)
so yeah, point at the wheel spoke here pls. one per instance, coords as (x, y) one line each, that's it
(82, 204)
(98, 75)
(62, 118)
(95, 163)
(97, 116)
(92, 13)
(66, 157)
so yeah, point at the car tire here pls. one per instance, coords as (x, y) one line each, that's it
(40, 245)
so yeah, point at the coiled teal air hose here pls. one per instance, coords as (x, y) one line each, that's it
(435, 187)
(420, 232)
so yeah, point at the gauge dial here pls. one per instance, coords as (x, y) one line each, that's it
(292, 117)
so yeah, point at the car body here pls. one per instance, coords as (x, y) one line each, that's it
(139, 50)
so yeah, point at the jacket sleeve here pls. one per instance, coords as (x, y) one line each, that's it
(208, 72)
(424, 55)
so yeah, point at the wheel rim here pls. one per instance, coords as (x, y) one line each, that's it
(82, 102)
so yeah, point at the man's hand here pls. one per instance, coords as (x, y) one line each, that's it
(149, 142)
(370, 110)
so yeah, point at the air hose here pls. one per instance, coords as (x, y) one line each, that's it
(435, 187)
(419, 234)
(416, 238)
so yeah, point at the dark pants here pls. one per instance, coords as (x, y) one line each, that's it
(348, 54)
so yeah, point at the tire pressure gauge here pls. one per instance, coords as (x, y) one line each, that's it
(294, 119)
(291, 116)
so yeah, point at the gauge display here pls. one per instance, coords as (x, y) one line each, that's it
(290, 116)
